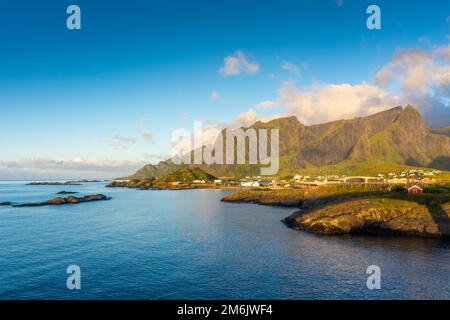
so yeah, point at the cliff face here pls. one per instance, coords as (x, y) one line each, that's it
(375, 216)
(394, 137)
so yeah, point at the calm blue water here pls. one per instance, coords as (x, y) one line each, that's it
(189, 245)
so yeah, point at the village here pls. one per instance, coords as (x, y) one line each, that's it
(414, 180)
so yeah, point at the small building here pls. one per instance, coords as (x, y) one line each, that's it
(249, 184)
(415, 190)
(199, 181)
(217, 181)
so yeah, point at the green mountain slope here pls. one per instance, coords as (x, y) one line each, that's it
(187, 175)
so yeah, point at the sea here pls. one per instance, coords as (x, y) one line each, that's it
(187, 244)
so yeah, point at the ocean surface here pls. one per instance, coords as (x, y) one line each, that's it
(189, 245)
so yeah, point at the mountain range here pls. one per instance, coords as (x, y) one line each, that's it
(388, 141)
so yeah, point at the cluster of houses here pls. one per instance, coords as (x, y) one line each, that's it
(415, 174)
(408, 178)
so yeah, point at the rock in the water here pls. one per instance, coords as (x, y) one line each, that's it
(68, 183)
(66, 192)
(68, 200)
(5, 203)
(375, 216)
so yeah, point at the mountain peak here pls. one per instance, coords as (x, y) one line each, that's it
(411, 116)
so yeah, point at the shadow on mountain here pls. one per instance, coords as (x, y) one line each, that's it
(414, 163)
(442, 163)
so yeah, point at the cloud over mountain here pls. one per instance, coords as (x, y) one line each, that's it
(413, 76)
(328, 102)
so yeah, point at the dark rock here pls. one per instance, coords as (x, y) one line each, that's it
(68, 200)
(68, 183)
(5, 203)
(66, 192)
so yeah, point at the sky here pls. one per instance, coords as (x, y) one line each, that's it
(103, 100)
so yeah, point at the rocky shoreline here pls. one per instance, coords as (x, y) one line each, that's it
(379, 212)
(374, 216)
(150, 184)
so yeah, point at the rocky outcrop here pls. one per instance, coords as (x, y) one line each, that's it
(68, 200)
(284, 198)
(142, 184)
(302, 198)
(375, 216)
(5, 203)
(66, 192)
(68, 183)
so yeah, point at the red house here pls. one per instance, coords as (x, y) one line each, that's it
(415, 190)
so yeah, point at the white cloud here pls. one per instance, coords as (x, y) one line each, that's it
(156, 158)
(121, 142)
(215, 96)
(238, 63)
(422, 77)
(249, 117)
(328, 102)
(149, 137)
(291, 67)
(443, 52)
(413, 76)
(36, 168)
(267, 104)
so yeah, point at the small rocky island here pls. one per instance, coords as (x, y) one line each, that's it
(67, 200)
(44, 183)
(66, 183)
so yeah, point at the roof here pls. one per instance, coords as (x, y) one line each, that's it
(415, 187)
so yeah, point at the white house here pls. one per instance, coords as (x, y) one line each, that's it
(249, 184)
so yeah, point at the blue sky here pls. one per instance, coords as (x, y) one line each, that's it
(115, 89)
